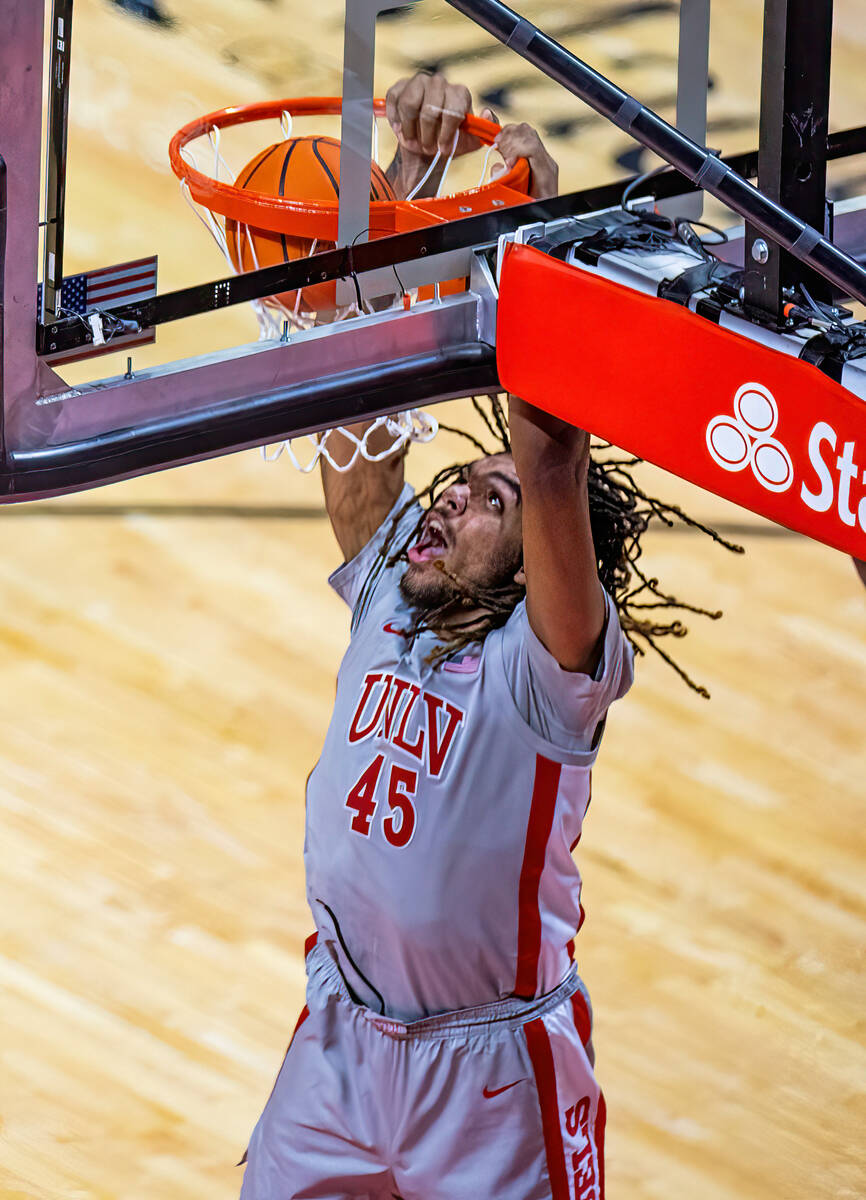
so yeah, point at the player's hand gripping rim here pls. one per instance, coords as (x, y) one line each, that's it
(425, 112)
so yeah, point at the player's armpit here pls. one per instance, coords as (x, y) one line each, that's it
(564, 598)
(358, 500)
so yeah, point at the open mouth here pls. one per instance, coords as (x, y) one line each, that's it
(430, 545)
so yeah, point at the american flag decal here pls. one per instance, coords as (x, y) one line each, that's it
(107, 287)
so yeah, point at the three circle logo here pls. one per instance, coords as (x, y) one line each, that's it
(746, 439)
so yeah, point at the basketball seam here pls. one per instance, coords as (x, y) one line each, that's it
(238, 225)
(325, 167)
(378, 173)
(285, 168)
(261, 162)
(375, 172)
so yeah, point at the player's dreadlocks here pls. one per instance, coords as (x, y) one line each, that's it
(620, 512)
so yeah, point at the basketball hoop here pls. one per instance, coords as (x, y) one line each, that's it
(233, 213)
(317, 220)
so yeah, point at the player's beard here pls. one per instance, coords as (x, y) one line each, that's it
(428, 589)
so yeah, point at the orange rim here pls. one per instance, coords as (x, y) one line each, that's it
(318, 219)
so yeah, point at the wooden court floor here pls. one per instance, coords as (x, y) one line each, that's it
(168, 648)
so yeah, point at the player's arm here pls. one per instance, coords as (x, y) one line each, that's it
(426, 111)
(358, 500)
(564, 598)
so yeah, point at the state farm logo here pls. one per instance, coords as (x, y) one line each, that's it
(746, 439)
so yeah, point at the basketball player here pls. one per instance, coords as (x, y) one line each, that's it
(445, 1050)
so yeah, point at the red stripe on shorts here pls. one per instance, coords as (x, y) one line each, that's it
(541, 1055)
(600, 1120)
(582, 1019)
(538, 829)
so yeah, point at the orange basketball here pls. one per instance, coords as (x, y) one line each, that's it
(301, 168)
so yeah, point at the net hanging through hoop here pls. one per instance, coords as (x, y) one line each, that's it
(412, 425)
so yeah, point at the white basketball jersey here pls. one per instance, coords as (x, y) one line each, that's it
(440, 823)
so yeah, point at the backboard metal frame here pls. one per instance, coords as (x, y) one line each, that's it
(56, 438)
(60, 61)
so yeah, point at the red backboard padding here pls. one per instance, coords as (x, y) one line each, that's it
(746, 422)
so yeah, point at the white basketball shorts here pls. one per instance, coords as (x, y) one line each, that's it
(498, 1102)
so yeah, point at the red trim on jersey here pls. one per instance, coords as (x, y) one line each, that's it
(538, 829)
(310, 942)
(600, 1120)
(582, 1019)
(541, 1056)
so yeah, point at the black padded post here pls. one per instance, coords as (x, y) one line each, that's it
(792, 159)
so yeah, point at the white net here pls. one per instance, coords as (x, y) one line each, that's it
(403, 428)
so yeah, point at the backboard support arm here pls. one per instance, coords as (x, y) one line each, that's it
(698, 164)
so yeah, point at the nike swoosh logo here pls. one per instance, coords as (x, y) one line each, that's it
(389, 628)
(489, 1093)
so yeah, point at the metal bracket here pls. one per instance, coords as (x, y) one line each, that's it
(356, 130)
(693, 68)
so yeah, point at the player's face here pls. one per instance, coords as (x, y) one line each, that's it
(473, 531)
